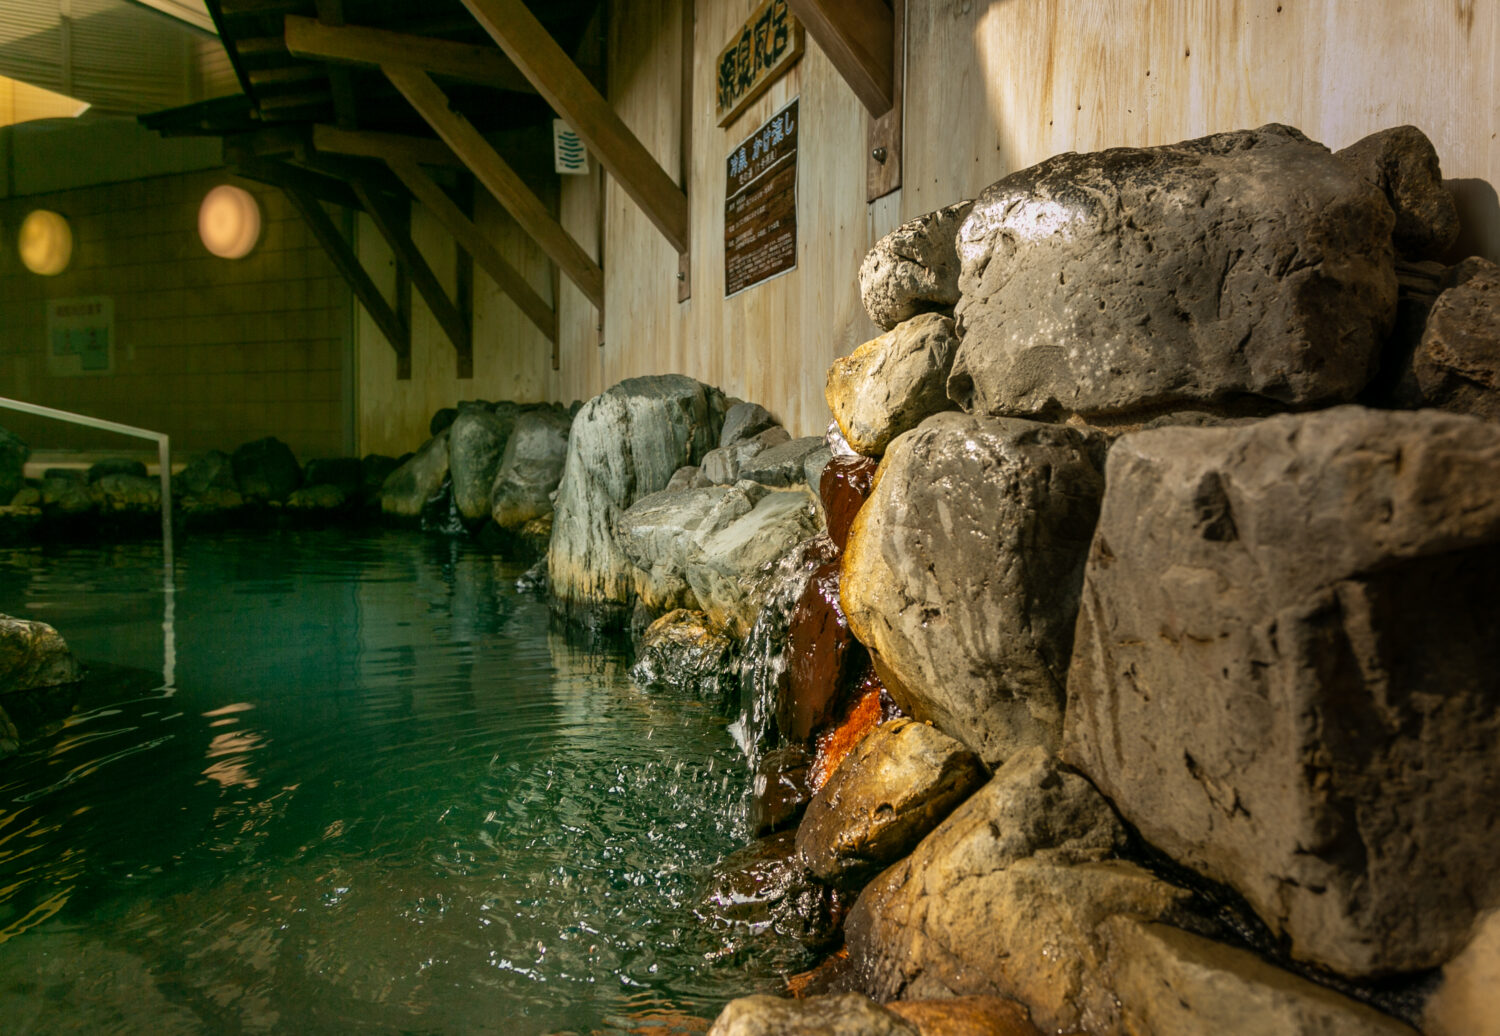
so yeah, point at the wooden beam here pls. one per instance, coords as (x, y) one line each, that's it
(499, 179)
(506, 277)
(281, 102)
(285, 74)
(364, 46)
(347, 263)
(527, 43)
(883, 140)
(368, 144)
(316, 185)
(858, 37)
(257, 45)
(340, 79)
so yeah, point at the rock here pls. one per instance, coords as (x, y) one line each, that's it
(476, 442)
(966, 1016)
(409, 488)
(1008, 897)
(764, 884)
(844, 486)
(722, 466)
(1251, 263)
(779, 791)
(33, 655)
(824, 660)
(114, 466)
(66, 496)
(1457, 364)
(813, 466)
(837, 445)
(1403, 165)
(892, 383)
(442, 420)
(127, 493)
(75, 474)
(869, 706)
(211, 470)
(898, 784)
(745, 421)
(837, 1014)
(13, 454)
(266, 469)
(28, 497)
(321, 497)
(530, 468)
(625, 444)
(346, 473)
(686, 477)
(914, 269)
(658, 532)
(1467, 999)
(683, 651)
(962, 574)
(375, 468)
(1173, 983)
(782, 465)
(721, 567)
(213, 500)
(1287, 676)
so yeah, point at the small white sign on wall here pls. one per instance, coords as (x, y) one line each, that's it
(569, 157)
(80, 336)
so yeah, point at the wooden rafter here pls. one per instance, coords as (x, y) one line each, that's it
(858, 37)
(364, 46)
(340, 79)
(368, 144)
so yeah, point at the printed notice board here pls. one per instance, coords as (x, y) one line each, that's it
(80, 336)
(760, 204)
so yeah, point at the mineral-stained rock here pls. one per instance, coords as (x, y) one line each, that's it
(838, 1014)
(213, 469)
(823, 659)
(914, 269)
(898, 784)
(765, 883)
(1402, 163)
(1246, 263)
(779, 791)
(658, 532)
(408, 489)
(34, 655)
(892, 383)
(127, 493)
(1008, 897)
(13, 454)
(966, 1016)
(625, 444)
(869, 706)
(721, 467)
(530, 468)
(114, 466)
(781, 465)
(1467, 1000)
(844, 486)
(683, 650)
(963, 568)
(1286, 673)
(346, 473)
(745, 421)
(266, 469)
(1457, 364)
(476, 442)
(721, 568)
(1173, 983)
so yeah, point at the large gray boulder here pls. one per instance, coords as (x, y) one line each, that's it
(1286, 673)
(963, 569)
(722, 466)
(913, 269)
(892, 383)
(836, 1014)
(408, 489)
(784, 464)
(1245, 264)
(625, 444)
(1457, 365)
(476, 442)
(530, 468)
(1403, 165)
(744, 421)
(211, 470)
(658, 532)
(722, 567)
(266, 469)
(13, 454)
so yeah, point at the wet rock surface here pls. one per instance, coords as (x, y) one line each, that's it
(1456, 366)
(844, 485)
(682, 649)
(892, 383)
(839, 1014)
(266, 469)
(1403, 165)
(530, 468)
(723, 566)
(914, 269)
(1286, 677)
(476, 442)
(131, 493)
(869, 706)
(966, 1016)
(963, 569)
(34, 655)
(766, 884)
(824, 659)
(779, 791)
(659, 532)
(781, 465)
(1251, 263)
(211, 470)
(409, 488)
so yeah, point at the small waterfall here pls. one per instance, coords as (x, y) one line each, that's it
(440, 514)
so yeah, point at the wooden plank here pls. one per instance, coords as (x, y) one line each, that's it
(282, 102)
(285, 74)
(883, 166)
(365, 46)
(347, 263)
(526, 41)
(345, 101)
(257, 45)
(499, 179)
(369, 144)
(687, 24)
(279, 174)
(463, 279)
(463, 229)
(857, 36)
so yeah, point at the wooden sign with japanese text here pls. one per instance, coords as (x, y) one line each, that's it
(768, 44)
(760, 204)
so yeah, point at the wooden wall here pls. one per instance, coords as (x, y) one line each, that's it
(991, 87)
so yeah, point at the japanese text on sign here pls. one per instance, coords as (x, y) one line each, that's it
(760, 204)
(80, 336)
(766, 46)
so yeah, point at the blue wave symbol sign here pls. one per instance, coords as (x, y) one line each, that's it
(568, 152)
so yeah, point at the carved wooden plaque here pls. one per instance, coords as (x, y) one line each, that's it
(768, 44)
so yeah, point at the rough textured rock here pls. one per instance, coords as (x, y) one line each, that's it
(346, 473)
(625, 444)
(838, 1014)
(658, 532)
(1467, 1000)
(869, 706)
(114, 466)
(721, 466)
(745, 421)
(962, 573)
(844, 485)
(824, 659)
(1457, 364)
(1173, 983)
(34, 655)
(13, 454)
(266, 469)
(914, 269)
(722, 567)
(1247, 263)
(1288, 679)
(442, 420)
(779, 791)
(1008, 897)
(66, 496)
(530, 468)
(892, 383)
(683, 650)
(898, 784)
(781, 465)
(127, 493)
(765, 884)
(966, 1016)
(211, 470)
(476, 442)
(321, 497)
(1403, 165)
(409, 488)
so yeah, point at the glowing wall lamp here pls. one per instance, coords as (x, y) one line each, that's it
(229, 222)
(46, 243)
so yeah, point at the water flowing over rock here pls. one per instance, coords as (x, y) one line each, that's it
(914, 269)
(13, 454)
(625, 444)
(779, 791)
(898, 784)
(530, 468)
(892, 383)
(1403, 165)
(824, 659)
(683, 650)
(963, 569)
(266, 469)
(723, 566)
(844, 486)
(476, 442)
(745, 421)
(211, 470)
(114, 466)
(782, 465)
(765, 884)
(658, 533)
(722, 466)
(1457, 365)
(1251, 263)
(1287, 678)
(409, 488)
(839, 1014)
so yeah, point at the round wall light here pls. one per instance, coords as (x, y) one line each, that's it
(46, 243)
(229, 222)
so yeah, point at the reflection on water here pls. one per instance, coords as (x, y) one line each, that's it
(380, 796)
